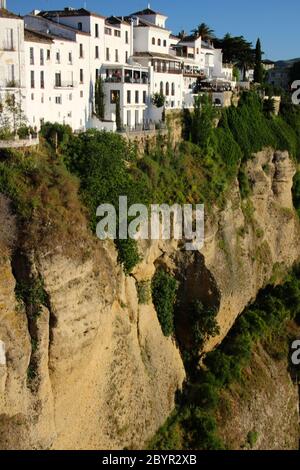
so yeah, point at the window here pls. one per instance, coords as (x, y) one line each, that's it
(96, 30)
(11, 73)
(32, 79)
(58, 100)
(161, 88)
(165, 43)
(31, 56)
(81, 94)
(42, 61)
(117, 55)
(32, 96)
(107, 31)
(167, 89)
(97, 52)
(48, 54)
(137, 97)
(173, 89)
(42, 79)
(114, 95)
(159, 42)
(58, 79)
(144, 97)
(9, 39)
(128, 96)
(126, 37)
(58, 57)
(97, 74)
(81, 75)
(117, 33)
(70, 58)
(126, 56)
(79, 26)
(153, 41)
(81, 51)
(107, 54)
(197, 51)
(42, 98)
(70, 97)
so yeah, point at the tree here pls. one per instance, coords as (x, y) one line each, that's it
(99, 99)
(118, 113)
(203, 30)
(258, 69)
(295, 72)
(164, 289)
(158, 99)
(182, 34)
(202, 124)
(238, 51)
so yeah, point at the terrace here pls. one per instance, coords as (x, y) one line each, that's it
(126, 75)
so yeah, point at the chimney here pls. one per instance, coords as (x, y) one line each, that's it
(3, 4)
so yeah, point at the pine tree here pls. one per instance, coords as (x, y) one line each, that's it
(99, 99)
(118, 113)
(258, 69)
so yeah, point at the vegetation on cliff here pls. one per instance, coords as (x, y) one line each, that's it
(193, 424)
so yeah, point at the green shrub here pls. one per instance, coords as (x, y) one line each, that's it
(164, 288)
(203, 323)
(57, 135)
(252, 438)
(32, 294)
(144, 292)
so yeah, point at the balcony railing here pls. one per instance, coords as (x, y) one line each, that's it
(167, 70)
(10, 84)
(141, 81)
(65, 85)
(7, 46)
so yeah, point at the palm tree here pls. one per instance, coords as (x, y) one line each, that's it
(203, 30)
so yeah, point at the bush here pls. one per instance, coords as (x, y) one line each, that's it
(164, 288)
(128, 254)
(57, 135)
(203, 323)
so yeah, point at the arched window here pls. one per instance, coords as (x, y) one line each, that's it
(159, 42)
(161, 88)
(167, 89)
(173, 89)
(153, 41)
(165, 43)
(80, 26)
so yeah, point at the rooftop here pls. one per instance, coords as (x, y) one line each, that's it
(51, 22)
(147, 11)
(147, 24)
(156, 55)
(36, 36)
(69, 12)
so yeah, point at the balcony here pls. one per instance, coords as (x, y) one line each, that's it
(7, 46)
(65, 84)
(193, 73)
(9, 84)
(162, 69)
(126, 76)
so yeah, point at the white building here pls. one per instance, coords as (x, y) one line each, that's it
(51, 60)
(12, 57)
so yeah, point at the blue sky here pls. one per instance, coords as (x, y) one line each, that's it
(276, 22)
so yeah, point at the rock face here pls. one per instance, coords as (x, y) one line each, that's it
(104, 374)
(263, 414)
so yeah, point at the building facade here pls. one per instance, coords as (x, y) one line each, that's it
(52, 61)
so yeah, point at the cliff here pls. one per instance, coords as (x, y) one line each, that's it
(92, 369)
